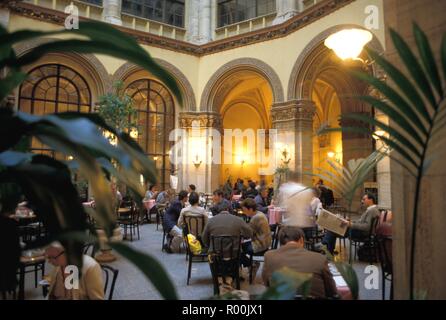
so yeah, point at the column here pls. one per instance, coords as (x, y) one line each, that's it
(201, 157)
(199, 16)
(112, 11)
(286, 9)
(294, 123)
(4, 17)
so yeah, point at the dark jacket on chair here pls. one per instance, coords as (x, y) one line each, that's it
(301, 260)
(172, 214)
(225, 224)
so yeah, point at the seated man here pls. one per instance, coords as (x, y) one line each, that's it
(251, 192)
(170, 222)
(220, 203)
(195, 211)
(261, 232)
(164, 197)
(225, 224)
(262, 200)
(293, 255)
(359, 228)
(91, 286)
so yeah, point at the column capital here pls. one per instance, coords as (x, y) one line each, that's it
(293, 110)
(205, 120)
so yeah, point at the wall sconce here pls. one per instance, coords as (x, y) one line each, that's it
(348, 43)
(242, 162)
(286, 157)
(155, 158)
(330, 154)
(197, 162)
(70, 158)
(334, 155)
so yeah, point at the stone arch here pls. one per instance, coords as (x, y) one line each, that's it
(297, 87)
(188, 94)
(250, 64)
(88, 61)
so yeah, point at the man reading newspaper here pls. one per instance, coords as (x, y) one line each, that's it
(356, 229)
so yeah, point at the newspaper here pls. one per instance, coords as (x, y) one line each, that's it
(332, 222)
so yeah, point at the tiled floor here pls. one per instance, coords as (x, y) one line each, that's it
(132, 284)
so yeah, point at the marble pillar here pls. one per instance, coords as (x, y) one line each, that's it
(199, 21)
(294, 123)
(200, 154)
(112, 11)
(287, 9)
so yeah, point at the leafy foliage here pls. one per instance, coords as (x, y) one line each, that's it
(347, 179)
(46, 182)
(415, 103)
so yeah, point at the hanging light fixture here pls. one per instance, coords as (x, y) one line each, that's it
(349, 43)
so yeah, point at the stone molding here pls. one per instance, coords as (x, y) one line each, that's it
(293, 110)
(205, 120)
(297, 22)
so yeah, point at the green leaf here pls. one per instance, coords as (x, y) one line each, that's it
(286, 283)
(412, 65)
(427, 58)
(398, 117)
(350, 277)
(396, 99)
(12, 80)
(151, 268)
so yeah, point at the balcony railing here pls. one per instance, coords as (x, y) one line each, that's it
(244, 26)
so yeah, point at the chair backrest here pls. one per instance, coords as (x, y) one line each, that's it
(111, 274)
(385, 254)
(194, 224)
(226, 247)
(374, 226)
(275, 236)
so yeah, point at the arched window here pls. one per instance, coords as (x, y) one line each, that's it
(53, 88)
(156, 117)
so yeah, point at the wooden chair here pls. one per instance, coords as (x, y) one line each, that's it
(385, 258)
(224, 259)
(111, 275)
(193, 225)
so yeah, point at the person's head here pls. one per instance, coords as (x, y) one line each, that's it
(292, 234)
(55, 255)
(152, 188)
(192, 188)
(249, 207)
(320, 182)
(368, 199)
(194, 198)
(182, 196)
(252, 184)
(263, 192)
(217, 196)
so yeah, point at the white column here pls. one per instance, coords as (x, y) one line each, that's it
(199, 15)
(112, 11)
(4, 17)
(287, 9)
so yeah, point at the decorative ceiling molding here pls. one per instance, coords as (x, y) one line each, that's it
(188, 93)
(297, 22)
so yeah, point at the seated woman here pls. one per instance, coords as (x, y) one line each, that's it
(90, 285)
(193, 211)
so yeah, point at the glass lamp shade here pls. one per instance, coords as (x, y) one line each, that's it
(348, 43)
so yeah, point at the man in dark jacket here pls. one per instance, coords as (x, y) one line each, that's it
(262, 200)
(220, 203)
(170, 222)
(225, 224)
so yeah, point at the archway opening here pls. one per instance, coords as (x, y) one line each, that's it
(244, 100)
